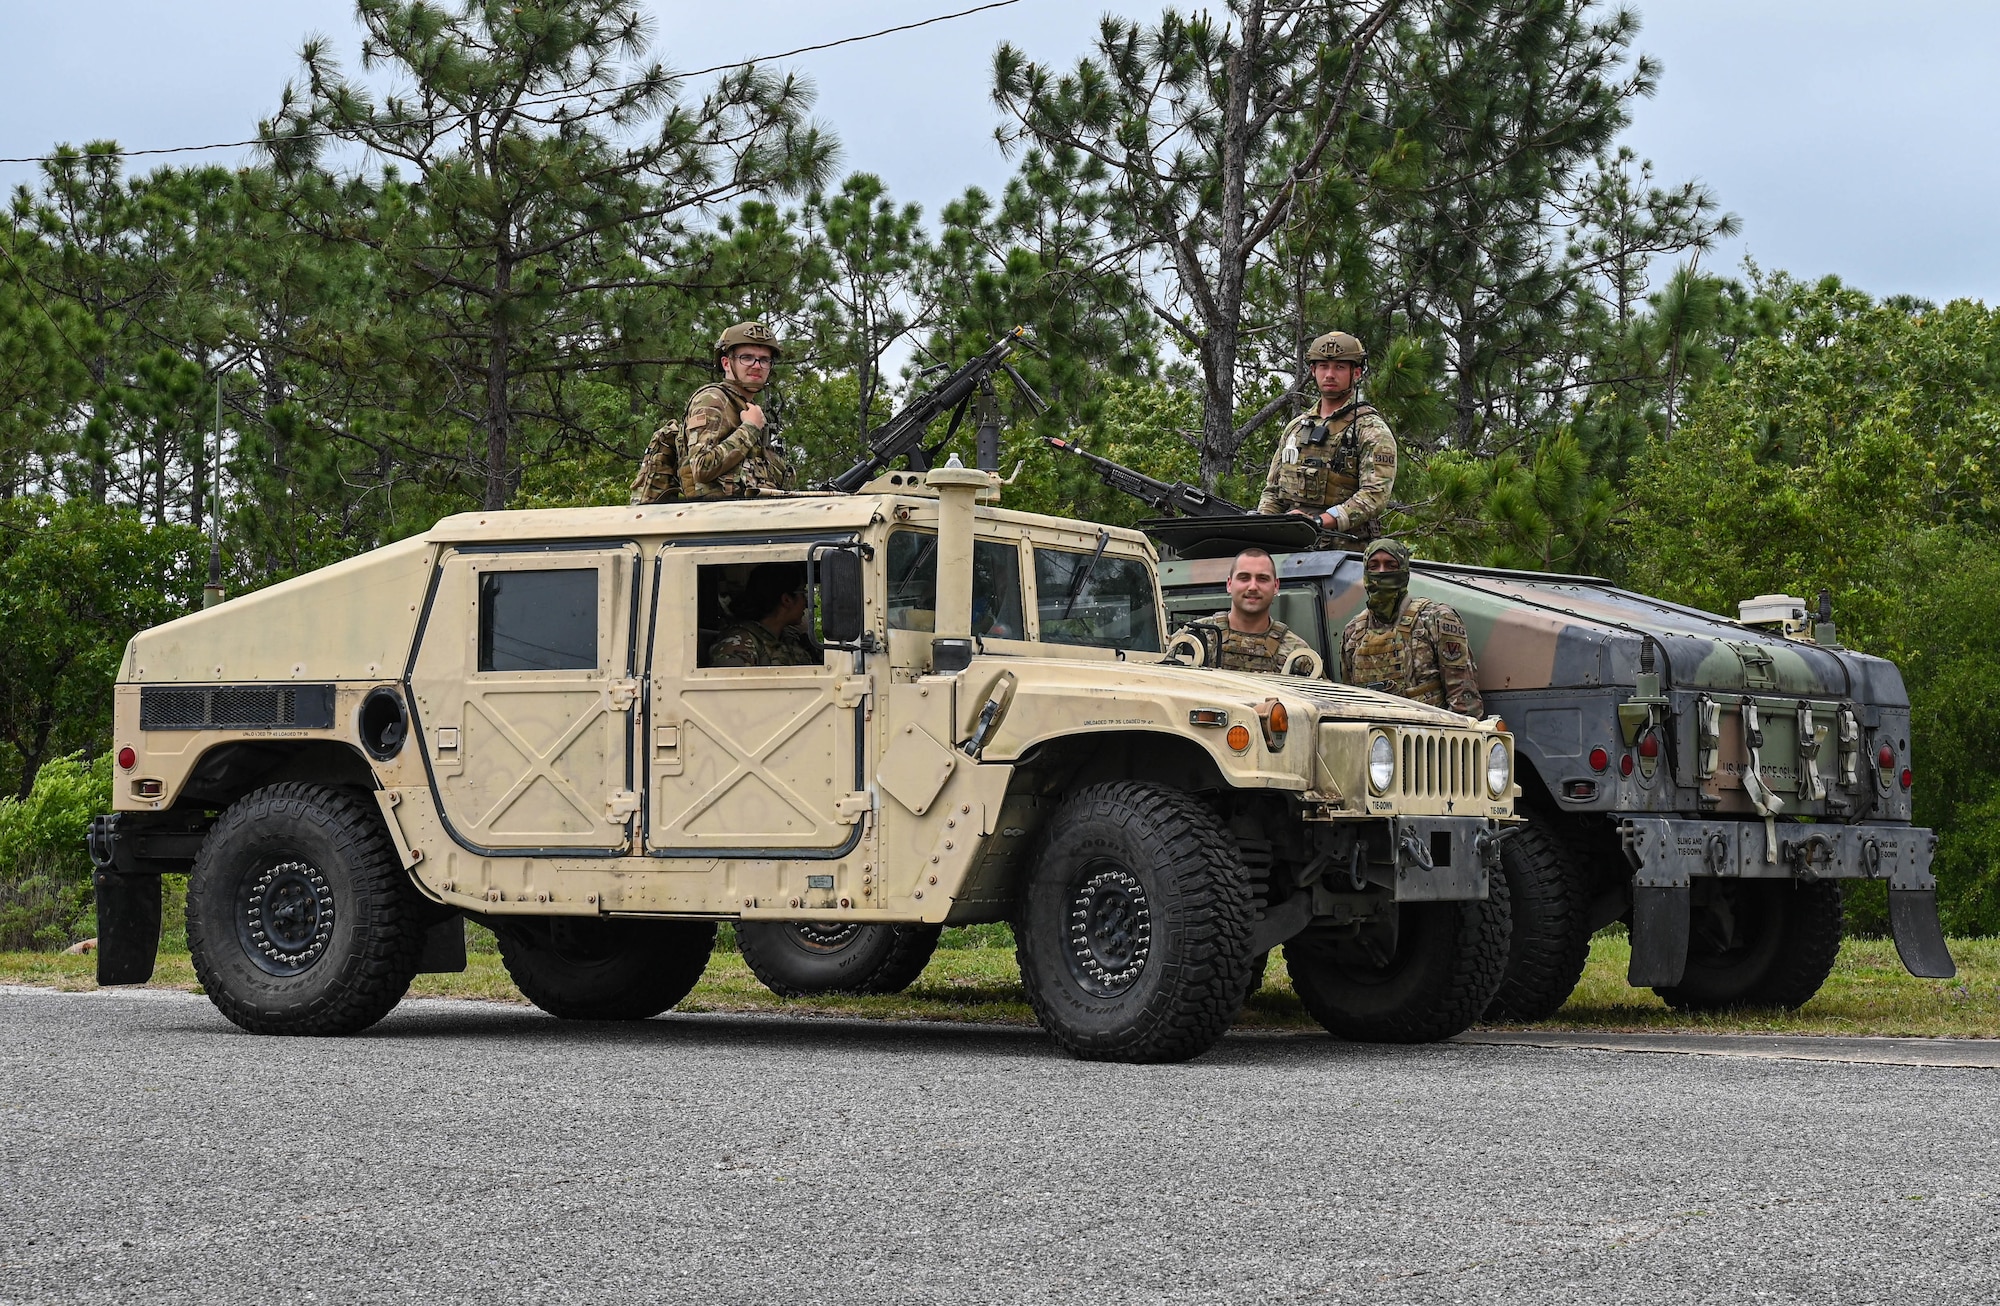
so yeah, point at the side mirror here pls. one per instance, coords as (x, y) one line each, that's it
(841, 615)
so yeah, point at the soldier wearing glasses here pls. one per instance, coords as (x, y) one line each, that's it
(721, 450)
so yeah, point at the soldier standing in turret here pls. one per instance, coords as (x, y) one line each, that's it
(1337, 463)
(721, 450)
(1247, 637)
(1413, 647)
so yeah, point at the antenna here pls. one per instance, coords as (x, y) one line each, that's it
(211, 593)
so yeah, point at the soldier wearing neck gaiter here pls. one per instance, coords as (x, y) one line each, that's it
(1413, 647)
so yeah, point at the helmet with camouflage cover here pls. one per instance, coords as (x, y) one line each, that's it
(749, 333)
(1337, 347)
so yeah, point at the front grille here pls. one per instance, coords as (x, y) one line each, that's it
(235, 707)
(1440, 764)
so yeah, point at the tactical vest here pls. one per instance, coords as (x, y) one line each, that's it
(1385, 657)
(1329, 466)
(1235, 650)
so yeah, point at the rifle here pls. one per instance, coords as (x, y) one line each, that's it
(903, 434)
(1161, 496)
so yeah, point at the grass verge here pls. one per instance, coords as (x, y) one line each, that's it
(1868, 992)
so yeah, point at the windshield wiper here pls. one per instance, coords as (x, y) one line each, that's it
(1082, 578)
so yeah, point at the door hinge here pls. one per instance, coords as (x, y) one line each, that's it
(620, 806)
(849, 808)
(852, 690)
(622, 693)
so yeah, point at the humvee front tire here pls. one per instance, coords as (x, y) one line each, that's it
(300, 917)
(1757, 943)
(799, 960)
(1133, 936)
(1548, 943)
(1447, 961)
(589, 968)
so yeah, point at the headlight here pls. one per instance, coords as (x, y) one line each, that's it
(1498, 772)
(1381, 763)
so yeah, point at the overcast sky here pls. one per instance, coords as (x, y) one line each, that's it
(1856, 139)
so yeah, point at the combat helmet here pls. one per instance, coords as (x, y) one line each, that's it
(1337, 347)
(749, 333)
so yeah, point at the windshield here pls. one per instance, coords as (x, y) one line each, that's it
(996, 585)
(1096, 599)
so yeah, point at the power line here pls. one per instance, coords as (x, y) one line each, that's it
(550, 99)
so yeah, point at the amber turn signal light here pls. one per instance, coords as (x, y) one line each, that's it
(1277, 723)
(1238, 737)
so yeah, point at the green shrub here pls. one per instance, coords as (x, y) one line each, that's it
(45, 892)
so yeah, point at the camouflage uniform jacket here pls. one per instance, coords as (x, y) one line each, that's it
(1236, 650)
(712, 454)
(1346, 465)
(749, 644)
(1423, 654)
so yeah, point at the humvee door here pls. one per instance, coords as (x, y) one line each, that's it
(759, 760)
(525, 696)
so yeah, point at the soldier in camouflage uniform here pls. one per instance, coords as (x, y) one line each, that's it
(775, 639)
(1413, 647)
(1337, 463)
(1247, 637)
(721, 450)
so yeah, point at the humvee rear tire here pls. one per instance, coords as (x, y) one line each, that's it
(1757, 943)
(796, 961)
(1448, 961)
(1133, 936)
(589, 968)
(300, 917)
(1548, 942)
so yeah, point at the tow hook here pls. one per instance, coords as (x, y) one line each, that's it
(1487, 843)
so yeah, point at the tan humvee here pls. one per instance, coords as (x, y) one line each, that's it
(511, 718)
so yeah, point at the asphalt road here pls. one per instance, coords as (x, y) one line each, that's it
(460, 1152)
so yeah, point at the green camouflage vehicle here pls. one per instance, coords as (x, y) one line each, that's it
(1710, 782)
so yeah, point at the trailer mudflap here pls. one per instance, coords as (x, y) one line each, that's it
(128, 926)
(1913, 921)
(1660, 914)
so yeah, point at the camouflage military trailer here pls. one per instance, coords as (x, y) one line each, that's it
(1711, 782)
(512, 719)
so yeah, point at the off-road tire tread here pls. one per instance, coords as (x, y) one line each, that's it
(682, 951)
(909, 953)
(1548, 944)
(908, 957)
(1815, 923)
(377, 974)
(1482, 936)
(1197, 852)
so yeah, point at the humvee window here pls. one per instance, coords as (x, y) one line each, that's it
(1106, 602)
(996, 585)
(538, 620)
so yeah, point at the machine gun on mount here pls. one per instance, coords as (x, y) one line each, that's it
(1200, 524)
(970, 386)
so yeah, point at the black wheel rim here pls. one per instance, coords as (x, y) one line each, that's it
(826, 939)
(284, 917)
(1110, 930)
